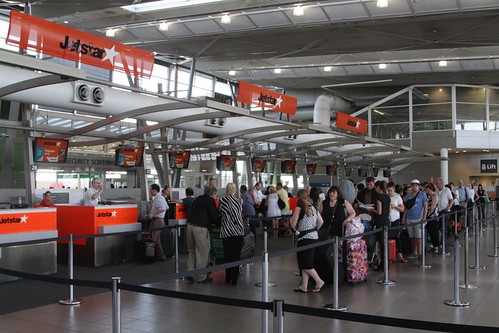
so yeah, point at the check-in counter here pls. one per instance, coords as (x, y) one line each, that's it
(98, 220)
(20, 225)
(177, 216)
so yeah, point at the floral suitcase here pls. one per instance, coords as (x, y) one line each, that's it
(355, 261)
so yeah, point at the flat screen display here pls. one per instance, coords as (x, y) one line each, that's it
(129, 156)
(332, 169)
(288, 166)
(50, 150)
(362, 172)
(258, 164)
(311, 168)
(180, 160)
(226, 163)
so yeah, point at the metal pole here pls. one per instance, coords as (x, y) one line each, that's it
(335, 306)
(265, 290)
(278, 316)
(476, 227)
(456, 302)
(423, 247)
(444, 235)
(494, 229)
(466, 284)
(70, 300)
(177, 236)
(116, 305)
(385, 281)
(265, 251)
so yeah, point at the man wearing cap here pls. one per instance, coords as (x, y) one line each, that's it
(413, 216)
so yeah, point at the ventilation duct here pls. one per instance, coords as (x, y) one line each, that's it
(326, 106)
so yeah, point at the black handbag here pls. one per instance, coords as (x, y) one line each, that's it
(281, 203)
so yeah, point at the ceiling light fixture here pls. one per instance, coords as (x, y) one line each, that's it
(298, 11)
(277, 70)
(163, 26)
(382, 3)
(232, 73)
(110, 33)
(225, 19)
(382, 66)
(442, 63)
(328, 68)
(379, 112)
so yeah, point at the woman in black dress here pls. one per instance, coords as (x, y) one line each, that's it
(381, 214)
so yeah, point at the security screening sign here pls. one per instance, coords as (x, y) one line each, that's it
(488, 166)
(33, 33)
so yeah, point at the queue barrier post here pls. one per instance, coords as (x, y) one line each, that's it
(476, 228)
(494, 230)
(444, 234)
(456, 302)
(385, 281)
(116, 305)
(70, 300)
(466, 284)
(278, 316)
(265, 251)
(177, 237)
(423, 246)
(335, 306)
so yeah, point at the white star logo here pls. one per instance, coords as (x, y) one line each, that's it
(113, 213)
(24, 219)
(278, 102)
(357, 124)
(58, 144)
(110, 54)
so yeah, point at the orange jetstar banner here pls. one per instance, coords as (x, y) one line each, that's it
(33, 33)
(27, 220)
(255, 95)
(350, 123)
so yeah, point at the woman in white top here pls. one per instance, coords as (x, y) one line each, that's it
(273, 210)
(396, 207)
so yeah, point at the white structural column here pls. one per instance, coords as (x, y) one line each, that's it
(444, 165)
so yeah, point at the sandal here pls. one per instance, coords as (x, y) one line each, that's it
(318, 289)
(403, 261)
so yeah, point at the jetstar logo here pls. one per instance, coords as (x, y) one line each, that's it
(8, 220)
(270, 100)
(107, 214)
(88, 49)
(352, 123)
(250, 94)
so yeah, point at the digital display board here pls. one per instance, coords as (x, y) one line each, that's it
(258, 164)
(226, 163)
(311, 168)
(129, 156)
(180, 160)
(332, 169)
(288, 166)
(50, 150)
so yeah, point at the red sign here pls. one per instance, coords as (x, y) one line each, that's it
(332, 169)
(288, 166)
(30, 32)
(50, 150)
(27, 220)
(180, 160)
(254, 95)
(226, 163)
(129, 156)
(258, 165)
(311, 168)
(350, 123)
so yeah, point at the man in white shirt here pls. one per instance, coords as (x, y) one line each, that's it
(157, 215)
(258, 197)
(445, 202)
(92, 196)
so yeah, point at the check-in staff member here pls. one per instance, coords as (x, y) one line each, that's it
(92, 196)
(157, 214)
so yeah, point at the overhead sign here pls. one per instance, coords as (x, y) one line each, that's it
(30, 32)
(350, 123)
(258, 164)
(50, 150)
(129, 156)
(288, 166)
(251, 94)
(180, 160)
(488, 166)
(311, 168)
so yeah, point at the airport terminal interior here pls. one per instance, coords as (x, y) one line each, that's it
(124, 94)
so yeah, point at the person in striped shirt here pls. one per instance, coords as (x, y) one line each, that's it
(231, 231)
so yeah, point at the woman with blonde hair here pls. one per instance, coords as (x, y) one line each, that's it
(273, 210)
(231, 231)
(306, 221)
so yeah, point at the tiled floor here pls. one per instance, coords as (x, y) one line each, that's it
(418, 294)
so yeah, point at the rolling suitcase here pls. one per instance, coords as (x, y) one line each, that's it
(147, 249)
(355, 261)
(392, 250)
(248, 246)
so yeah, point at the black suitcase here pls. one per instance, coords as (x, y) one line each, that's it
(167, 242)
(248, 246)
(147, 249)
(324, 263)
(405, 242)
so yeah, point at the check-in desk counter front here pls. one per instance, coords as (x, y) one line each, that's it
(98, 220)
(177, 216)
(18, 225)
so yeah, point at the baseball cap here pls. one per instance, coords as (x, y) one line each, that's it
(415, 181)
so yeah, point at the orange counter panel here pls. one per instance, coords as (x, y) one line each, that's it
(27, 220)
(86, 220)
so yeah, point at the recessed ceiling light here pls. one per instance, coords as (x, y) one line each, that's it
(277, 71)
(225, 19)
(163, 26)
(328, 68)
(66, 22)
(298, 11)
(442, 63)
(382, 3)
(232, 73)
(382, 66)
(110, 33)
